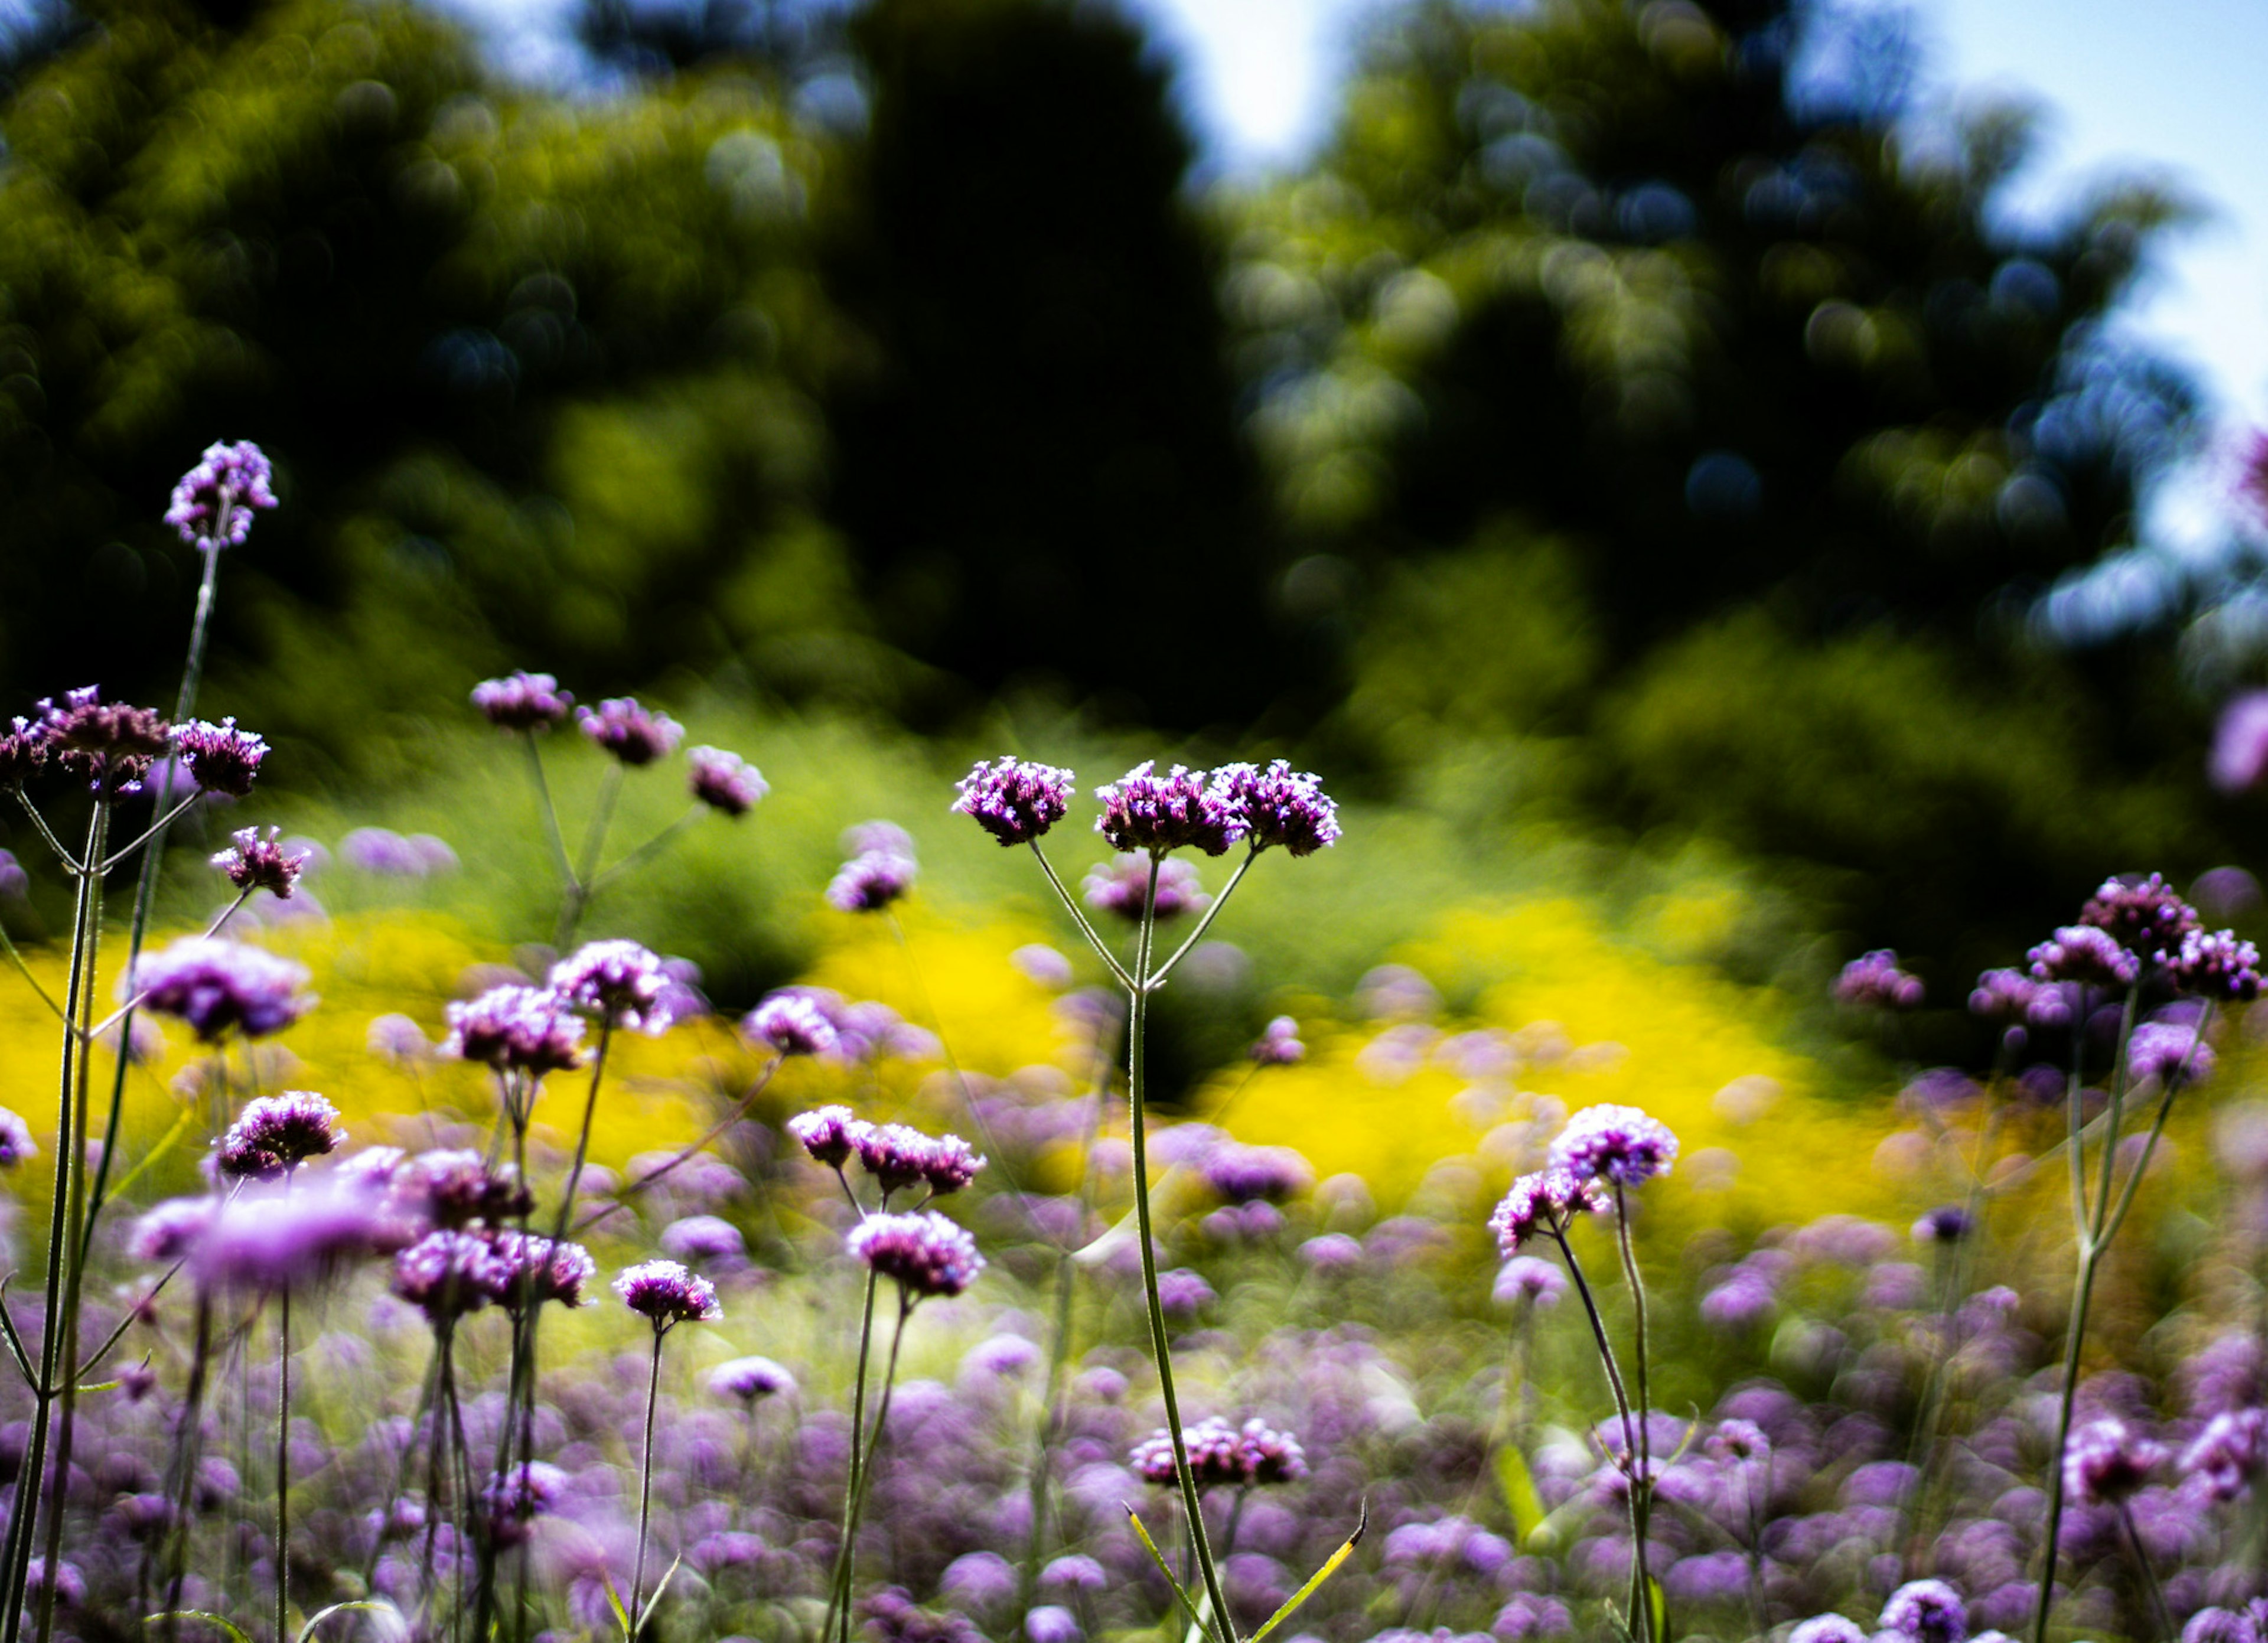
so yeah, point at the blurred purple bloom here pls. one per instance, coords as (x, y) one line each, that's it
(386, 853)
(703, 1238)
(521, 1494)
(1875, 982)
(2168, 1054)
(1927, 1612)
(275, 1133)
(1827, 1628)
(271, 1240)
(2082, 953)
(2107, 1462)
(447, 1274)
(14, 881)
(871, 880)
(923, 1253)
(215, 985)
(1946, 1224)
(2230, 1452)
(1621, 1145)
(516, 1028)
(1543, 1201)
(222, 759)
(168, 1231)
(619, 982)
(1278, 1044)
(16, 1143)
(830, 1134)
(750, 1380)
(1745, 1299)
(2003, 995)
(1119, 885)
(1184, 1292)
(1143, 811)
(1076, 1572)
(455, 1188)
(109, 745)
(2240, 743)
(724, 781)
(792, 1024)
(1051, 1623)
(537, 1270)
(1525, 1280)
(523, 701)
(254, 863)
(665, 1294)
(212, 504)
(2217, 965)
(1244, 1175)
(1278, 805)
(621, 727)
(1043, 964)
(2144, 913)
(1015, 802)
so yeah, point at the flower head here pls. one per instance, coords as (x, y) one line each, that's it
(2217, 965)
(2107, 1462)
(665, 1294)
(275, 1134)
(2003, 995)
(1278, 1044)
(2230, 1452)
(517, 1030)
(456, 1188)
(750, 1379)
(1927, 1612)
(1543, 1201)
(109, 745)
(1014, 800)
(212, 506)
(1621, 1145)
(870, 881)
(1946, 1224)
(215, 985)
(2082, 953)
(1279, 805)
(1875, 982)
(830, 1134)
(170, 1230)
(618, 982)
(726, 781)
(1120, 885)
(1829, 1629)
(2145, 914)
(540, 1270)
(2170, 1052)
(923, 1253)
(791, 1023)
(273, 1239)
(899, 1156)
(447, 1274)
(523, 701)
(518, 1496)
(629, 732)
(222, 759)
(23, 751)
(1222, 1456)
(1248, 1175)
(254, 863)
(1143, 811)
(16, 1143)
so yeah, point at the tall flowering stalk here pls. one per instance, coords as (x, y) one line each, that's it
(666, 1295)
(1149, 815)
(2128, 935)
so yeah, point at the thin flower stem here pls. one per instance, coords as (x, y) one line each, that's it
(2172, 1086)
(872, 1446)
(1110, 959)
(2119, 1074)
(2075, 1152)
(594, 840)
(646, 1486)
(550, 811)
(8, 945)
(2159, 1612)
(156, 830)
(15, 1342)
(1160, 1348)
(1157, 978)
(70, 862)
(282, 1464)
(1642, 1615)
(110, 1342)
(651, 847)
(845, 1554)
(1642, 1477)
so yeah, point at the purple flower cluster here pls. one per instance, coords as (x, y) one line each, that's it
(631, 734)
(516, 1028)
(2217, 965)
(616, 981)
(222, 759)
(881, 872)
(792, 1023)
(448, 1273)
(1544, 1201)
(523, 701)
(2107, 1462)
(217, 985)
(724, 782)
(1014, 800)
(1120, 885)
(666, 1295)
(750, 1380)
(922, 1253)
(276, 1134)
(211, 505)
(2142, 913)
(2240, 743)
(1620, 1144)
(252, 862)
(16, 1143)
(1279, 808)
(2085, 955)
(1875, 982)
(896, 1155)
(273, 1239)
(1144, 811)
(1222, 1456)
(1278, 1044)
(1248, 1174)
(108, 745)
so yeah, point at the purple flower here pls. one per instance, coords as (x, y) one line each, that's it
(1244, 1175)
(215, 985)
(871, 880)
(523, 701)
(1221, 1456)
(1278, 1044)
(629, 732)
(212, 506)
(2240, 743)
(221, 758)
(1278, 805)
(2107, 1462)
(1544, 1201)
(521, 1494)
(1119, 885)
(1013, 800)
(791, 1023)
(2169, 1053)
(16, 1143)
(666, 1294)
(538, 1270)
(1143, 811)
(724, 781)
(277, 1239)
(830, 1134)
(618, 982)
(703, 1238)
(1875, 982)
(23, 751)
(1927, 1612)
(383, 851)
(2144, 913)
(1051, 1623)
(170, 1230)
(2230, 1452)
(1621, 1145)
(1946, 1224)
(1184, 1292)
(750, 1379)
(898, 1156)
(2003, 995)
(14, 881)
(2082, 953)
(2248, 1625)
(1827, 1628)
(447, 1274)
(275, 1134)
(254, 863)
(516, 1028)
(923, 1253)
(2217, 965)
(109, 745)
(1745, 1299)
(1527, 1281)
(456, 1188)
(1270, 1456)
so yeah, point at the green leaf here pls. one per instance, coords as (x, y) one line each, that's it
(646, 1613)
(1518, 1486)
(1330, 1567)
(614, 1602)
(103, 1386)
(235, 1630)
(1658, 1600)
(1158, 1557)
(372, 1605)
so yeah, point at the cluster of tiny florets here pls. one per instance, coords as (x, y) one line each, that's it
(275, 1134)
(1014, 800)
(1280, 806)
(877, 875)
(922, 1253)
(1623, 1146)
(516, 1028)
(108, 745)
(793, 1024)
(2216, 964)
(2143, 914)
(1121, 886)
(665, 1294)
(724, 782)
(523, 701)
(212, 506)
(1222, 1456)
(217, 986)
(2085, 955)
(617, 982)
(632, 733)
(1543, 1201)
(255, 861)
(222, 759)
(1144, 811)
(1875, 981)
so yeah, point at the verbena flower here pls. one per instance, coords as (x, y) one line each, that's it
(665, 1294)
(1144, 811)
(23, 751)
(899, 1156)
(522, 1493)
(923, 1253)
(213, 503)
(1525, 1281)
(830, 1134)
(2230, 1452)
(619, 982)
(703, 1238)
(222, 759)
(275, 1240)
(1927, 1612)
(871, 880)
(2082, 953)
(108, 745)
(1946, 1224)
(16, 1143)
(1543, 1201)
(2107, 1462)
(1827, 1628)
(255, 863)
(166, 1232)
(2217, 965)
(448, 1273)
(2240, 743)
(791, 1023)
(536, 1270)
(1278, 1044)
(516, 1028)
(2145, 914)
(1623, 1144)
(623, 728)
(2003, 995)
(2168, 1052)
(1278, 807)
(724, 781)
(1119, 887)
(1246, 1175)
(217, 985)
(1014, 800)
(1222, 1456)
(456, 1188)
(523, 701)
(275, 1134)
(1875, 982)
(750, 1380)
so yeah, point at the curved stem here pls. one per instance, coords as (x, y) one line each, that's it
(1643, 1613)
(2075, 1336)
(652, 846)
(646, 1485)
(1110, 959)
(1642, 1476)
(872, 1445)
(594, 839)
(1158, 979)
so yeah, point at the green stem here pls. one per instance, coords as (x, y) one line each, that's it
(1642, 1477)
(550, 811)
(839, 1585)
(282, 1465)
(1205, 923)
(645, 852)
(873, 1446)
(594, 839)
(1101, 951)
(645, 1484)
(1642, 1614)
